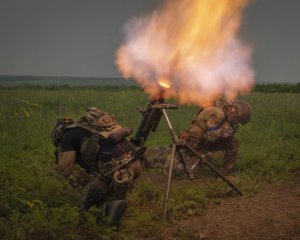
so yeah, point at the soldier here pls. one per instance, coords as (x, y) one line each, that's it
(213, 129)
(97, 143)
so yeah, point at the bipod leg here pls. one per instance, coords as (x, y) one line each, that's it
(168, 187)
(208, 164)
(188, 170)
(175, 141)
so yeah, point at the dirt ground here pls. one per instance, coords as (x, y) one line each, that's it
(272, 213)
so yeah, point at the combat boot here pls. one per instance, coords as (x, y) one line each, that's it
(114, 211)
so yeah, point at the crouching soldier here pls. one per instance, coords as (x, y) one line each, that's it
(212, 129)
(98, 144)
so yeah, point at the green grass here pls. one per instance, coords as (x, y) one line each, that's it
(37, 203)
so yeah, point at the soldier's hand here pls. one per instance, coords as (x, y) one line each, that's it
(228, 130)
(181, 142)
(183, 135)
(229, 133)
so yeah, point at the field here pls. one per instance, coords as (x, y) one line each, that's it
(37, 203)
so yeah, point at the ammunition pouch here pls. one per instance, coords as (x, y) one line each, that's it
(121, 181)
(89, 151)
(120, 172)
(108, 166)
(123, 177)
(105, 163)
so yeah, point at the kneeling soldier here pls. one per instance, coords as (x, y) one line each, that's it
(98, 144)
(212, 129)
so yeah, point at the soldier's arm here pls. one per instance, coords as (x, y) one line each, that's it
(208, 126)
(224, 131)
(216, 126)
(67, 155)
(66, 161)
(204, 127)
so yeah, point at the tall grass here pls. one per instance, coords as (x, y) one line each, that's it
(36, 203)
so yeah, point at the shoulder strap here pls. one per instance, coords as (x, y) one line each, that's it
(104, 135)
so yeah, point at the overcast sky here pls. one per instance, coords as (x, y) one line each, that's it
(80, 37)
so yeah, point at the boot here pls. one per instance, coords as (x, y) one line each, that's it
(115, 211)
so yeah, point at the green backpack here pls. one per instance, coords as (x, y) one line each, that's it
(59, 128)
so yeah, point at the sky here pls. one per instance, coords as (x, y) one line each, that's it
(80, 37)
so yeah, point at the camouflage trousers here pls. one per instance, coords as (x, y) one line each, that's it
(230, 147)
(158, 157)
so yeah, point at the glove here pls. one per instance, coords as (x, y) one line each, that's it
(228, 130)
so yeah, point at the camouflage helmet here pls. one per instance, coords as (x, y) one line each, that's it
(243, 111)
(100, 121)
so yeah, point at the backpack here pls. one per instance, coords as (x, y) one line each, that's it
(98, 121)
(103, 127)
(58, 129)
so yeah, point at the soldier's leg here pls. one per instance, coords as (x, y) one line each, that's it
(158, 158)
(114, 211)
(155, 157)
(230, 156)
(230, 148)
(95, 193)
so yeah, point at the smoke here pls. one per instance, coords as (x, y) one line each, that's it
(193, 44)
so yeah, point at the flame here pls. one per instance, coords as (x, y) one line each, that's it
(165, 83)
(194, 44)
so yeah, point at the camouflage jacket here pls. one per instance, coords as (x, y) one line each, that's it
(209, 125)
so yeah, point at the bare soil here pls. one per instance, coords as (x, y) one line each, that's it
(272, 213)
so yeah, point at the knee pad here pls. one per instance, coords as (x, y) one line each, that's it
(95, 193)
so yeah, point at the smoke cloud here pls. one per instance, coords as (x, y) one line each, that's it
(194, 46)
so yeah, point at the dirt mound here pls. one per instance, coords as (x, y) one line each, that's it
(273, 213)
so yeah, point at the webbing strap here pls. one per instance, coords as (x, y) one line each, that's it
(210, 129)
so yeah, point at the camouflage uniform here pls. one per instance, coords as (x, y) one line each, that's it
(97, 128)
(208, 132)
(211, 132)
(159, 158)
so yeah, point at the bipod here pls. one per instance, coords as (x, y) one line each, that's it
(179, 147)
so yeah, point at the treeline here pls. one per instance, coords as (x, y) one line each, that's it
(275, 87)
(68, 87)
(265, 88)
(54, 78)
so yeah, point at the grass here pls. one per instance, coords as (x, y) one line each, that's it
(37, 203)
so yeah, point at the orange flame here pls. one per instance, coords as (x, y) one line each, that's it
(194, 45)
(165, 83)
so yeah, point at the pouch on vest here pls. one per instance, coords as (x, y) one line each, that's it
(89, 150)
(57, 133)
(105, 163)
(121, 182)
(59, 128)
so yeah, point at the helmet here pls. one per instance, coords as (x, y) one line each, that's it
(99, 120)
(243, 111)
